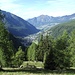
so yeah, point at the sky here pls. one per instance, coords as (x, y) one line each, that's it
(32, 8)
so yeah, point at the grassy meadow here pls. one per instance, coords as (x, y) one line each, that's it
(38, 71)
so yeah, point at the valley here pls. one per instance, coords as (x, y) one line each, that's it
(30, 30)
(37, 37)
(43, 21)
(44, 41)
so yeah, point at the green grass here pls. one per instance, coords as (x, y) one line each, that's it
(37, 71)
(18, 71)
(37, 64)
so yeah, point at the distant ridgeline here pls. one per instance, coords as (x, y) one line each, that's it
(45, 21)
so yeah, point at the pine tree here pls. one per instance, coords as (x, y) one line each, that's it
(18, 58)
(40, 50)
(59, 56)
(2, 57)
(6, 47)
(72, 48)
(62, 52)
(31, 53)
(49, 62)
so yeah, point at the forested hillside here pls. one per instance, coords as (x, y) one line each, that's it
(56, 49)
(58, 29)
(9, 46)
(55, 53)
(18, 26)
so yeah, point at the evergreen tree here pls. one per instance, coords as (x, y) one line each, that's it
(48, 44)
(40, 50)
(6, 47)
(72, 48)
(2, 57)
(31, 53)
(62, 51)
(49, 62)
(44, 47)
(59, 56)
(18, 58)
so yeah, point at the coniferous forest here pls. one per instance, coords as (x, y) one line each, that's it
(10, 47)
(55, 53)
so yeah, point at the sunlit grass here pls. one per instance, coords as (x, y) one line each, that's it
(41, 72)
(37, 64)
(19, 71)
(37, 71)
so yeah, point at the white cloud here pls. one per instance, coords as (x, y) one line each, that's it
(5, 1)
(52, 1)
(26, 9)
(7, 4)
(10, 6)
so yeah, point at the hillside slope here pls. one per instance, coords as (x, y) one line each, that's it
(18, 26)
(58, 29)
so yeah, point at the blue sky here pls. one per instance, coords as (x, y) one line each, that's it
(33, 8)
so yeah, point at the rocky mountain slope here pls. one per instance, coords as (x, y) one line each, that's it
(45, 21)
(18, 26)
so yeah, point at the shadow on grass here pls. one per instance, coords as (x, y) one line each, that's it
(68, 71)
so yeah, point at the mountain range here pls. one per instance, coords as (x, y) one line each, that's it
(45, 21)
(28, 31)
(18, 26)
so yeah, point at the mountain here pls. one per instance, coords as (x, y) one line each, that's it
(45, 21)
(18, 26)
(58, 29)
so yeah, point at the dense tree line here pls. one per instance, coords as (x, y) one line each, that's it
(55, 53)
(8, 52)
(58, 29)
(5, 45)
